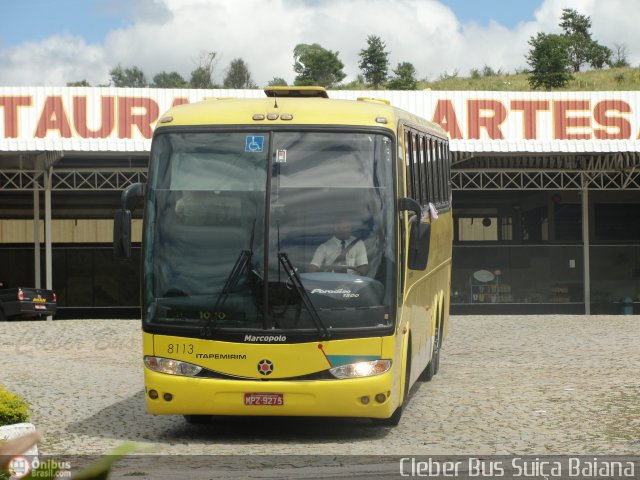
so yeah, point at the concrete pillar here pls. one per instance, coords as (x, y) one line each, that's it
(36, 237)
(47, 230)
(585, 248)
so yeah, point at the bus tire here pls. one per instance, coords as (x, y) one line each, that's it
(197, 419)
(436, 354)
(394, 419)
(427, 374)
(1, 314)
(434, 364)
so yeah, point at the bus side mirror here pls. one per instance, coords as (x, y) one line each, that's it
(122, 234)
(409, 204)
(419, 240)
(130, 197)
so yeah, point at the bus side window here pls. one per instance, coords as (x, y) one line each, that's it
(436, 170)
(408, 150)
(417, 179)
(429, 168)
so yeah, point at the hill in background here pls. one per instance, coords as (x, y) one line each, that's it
(622, 79)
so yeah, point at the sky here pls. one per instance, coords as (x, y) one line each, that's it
(45, 42)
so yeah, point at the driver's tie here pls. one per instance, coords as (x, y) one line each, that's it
(342, 257)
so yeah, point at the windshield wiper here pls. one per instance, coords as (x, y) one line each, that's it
(297, 283)
(232, 280)
(243, 260)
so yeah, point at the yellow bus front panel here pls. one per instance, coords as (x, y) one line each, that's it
(276, 391)
(204, 396)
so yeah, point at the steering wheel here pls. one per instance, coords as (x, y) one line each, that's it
(338, 268)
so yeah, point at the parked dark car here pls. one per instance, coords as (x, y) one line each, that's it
(26, 302)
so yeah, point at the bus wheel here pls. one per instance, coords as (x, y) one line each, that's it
(434, 364)
(394, 419)
(197, 419)
(436, 353)
(1, 314)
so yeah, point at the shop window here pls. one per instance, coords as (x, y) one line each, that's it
(615, 278)
(568, 221)
(528, 274)
(535, 225)
(617, 222)
(477, 229)
(506, 228)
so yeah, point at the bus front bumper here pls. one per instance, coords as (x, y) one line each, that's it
(372, 397)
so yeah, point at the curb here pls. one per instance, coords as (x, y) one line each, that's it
(17, 430)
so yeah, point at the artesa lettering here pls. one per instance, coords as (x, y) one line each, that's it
(265, 338)
(553, 119)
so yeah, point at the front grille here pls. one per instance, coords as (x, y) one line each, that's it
(322, 375)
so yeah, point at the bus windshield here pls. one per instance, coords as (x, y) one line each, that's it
(270, 230)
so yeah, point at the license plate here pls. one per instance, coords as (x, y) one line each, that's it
(40, 307)
(268, 399)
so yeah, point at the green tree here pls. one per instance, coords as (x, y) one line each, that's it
(549, 60)
(79, 83)
(405, 77)
(316, 66)
(238, 75)
(582, 48)
(169, 80)
(202, 75)
(620, 59)
(374, 62)
(277, 82)
(359, 83)
(600, 56)
(127, 77)
(200, 78)
(488, 71)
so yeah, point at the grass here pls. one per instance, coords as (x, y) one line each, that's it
(612, 79)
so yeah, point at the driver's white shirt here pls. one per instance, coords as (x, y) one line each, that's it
(327, 253)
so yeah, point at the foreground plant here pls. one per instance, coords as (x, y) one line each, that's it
(98, 470)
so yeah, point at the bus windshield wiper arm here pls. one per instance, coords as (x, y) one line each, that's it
(297, 283)
(243, 260)
(232, 280)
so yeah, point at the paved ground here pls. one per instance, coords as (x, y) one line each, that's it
(507, 385)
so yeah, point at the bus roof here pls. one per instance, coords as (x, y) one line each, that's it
(294, 106)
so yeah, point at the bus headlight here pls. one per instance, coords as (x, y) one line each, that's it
(361, 369)
(171, 367)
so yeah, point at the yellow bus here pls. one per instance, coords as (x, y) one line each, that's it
(296, 256)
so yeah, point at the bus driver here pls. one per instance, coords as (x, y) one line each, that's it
(341, 253)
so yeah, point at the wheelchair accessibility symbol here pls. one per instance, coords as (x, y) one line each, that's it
(254, 144)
